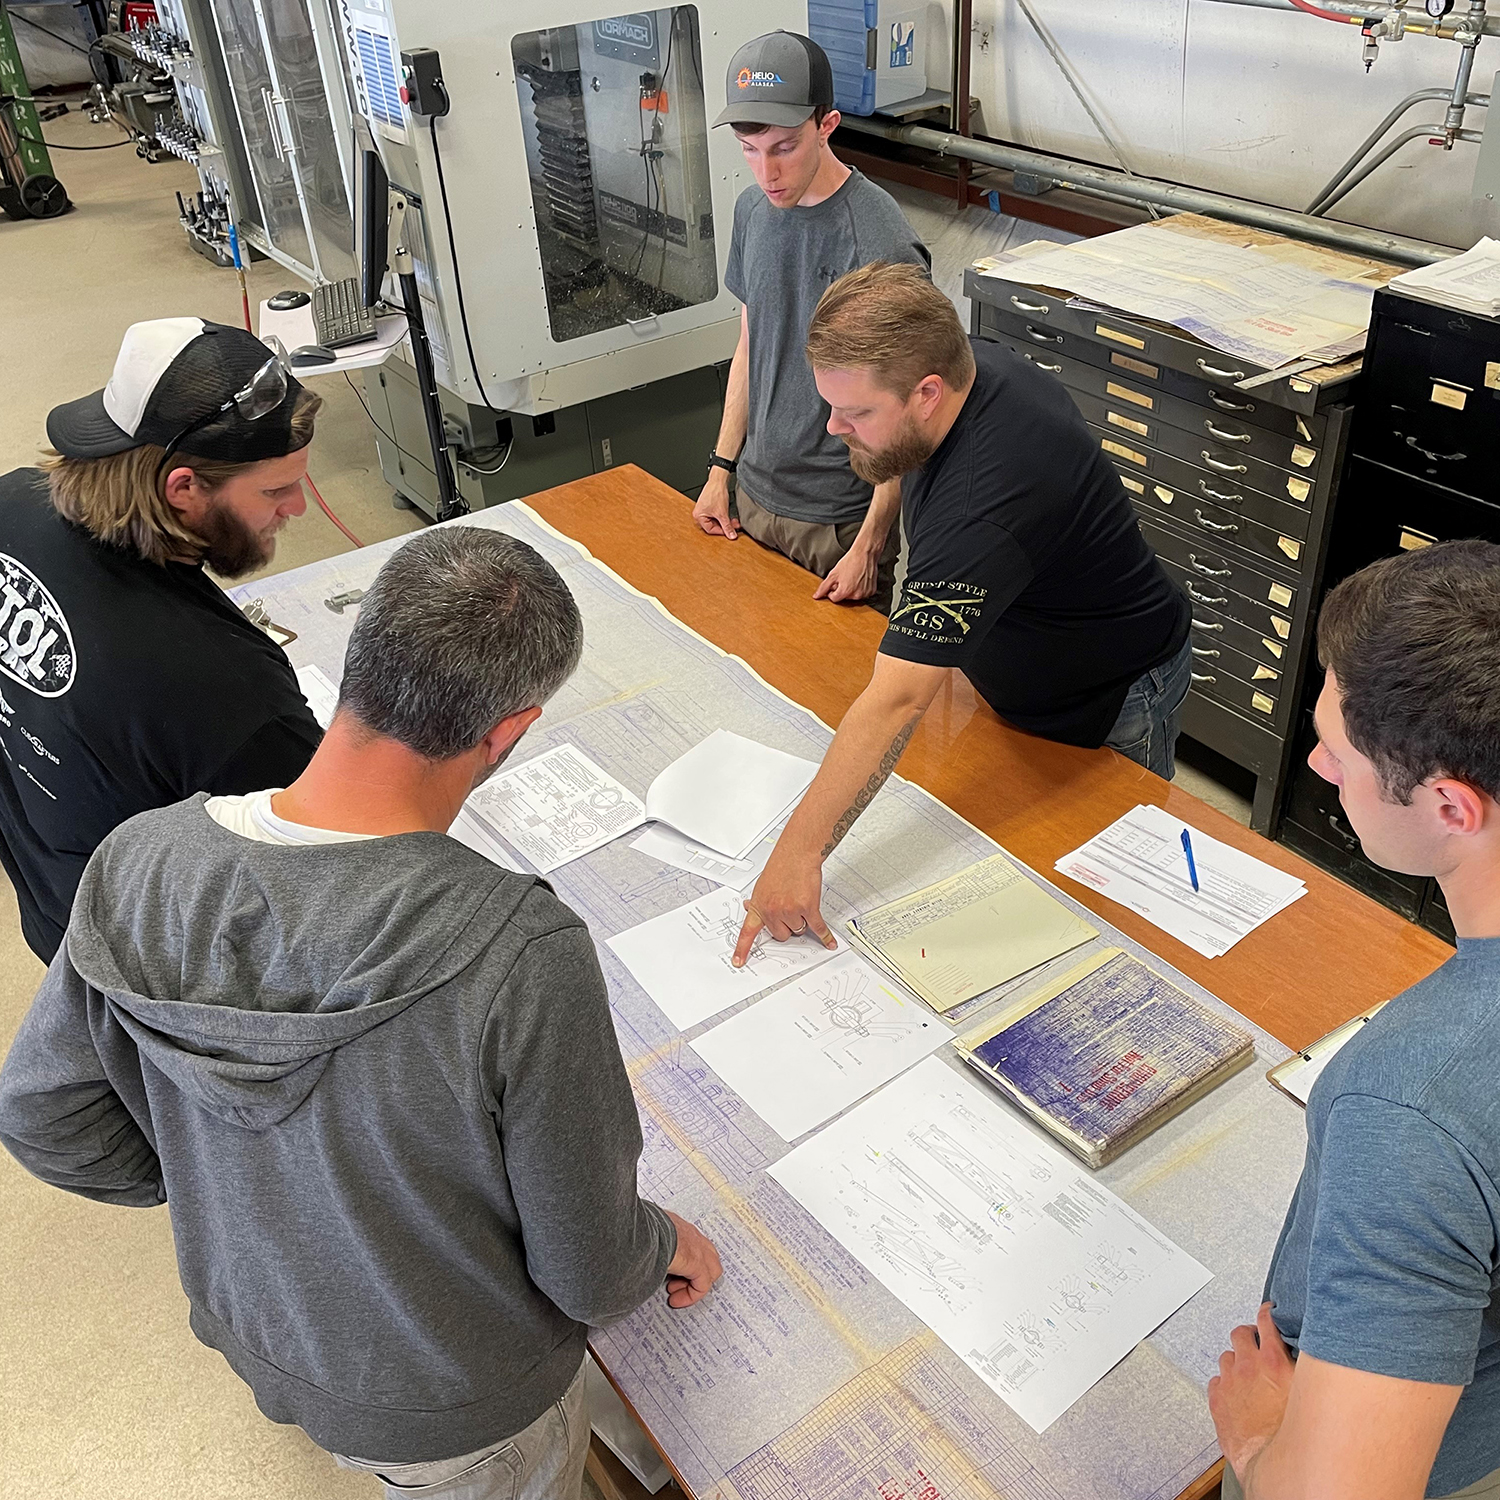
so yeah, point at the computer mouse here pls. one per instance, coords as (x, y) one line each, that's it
(287, 301)
(313, 354)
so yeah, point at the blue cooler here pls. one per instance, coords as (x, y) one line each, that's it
(875, 48)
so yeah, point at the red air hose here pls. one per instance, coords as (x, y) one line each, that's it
(1327, 15)
(323, 505)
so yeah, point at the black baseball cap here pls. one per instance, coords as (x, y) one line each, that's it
(172, 374)
(778, 79)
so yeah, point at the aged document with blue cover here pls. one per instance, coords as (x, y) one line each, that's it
(1106, 1054)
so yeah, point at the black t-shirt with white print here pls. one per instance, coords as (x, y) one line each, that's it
(124, 685)
(1026, 568)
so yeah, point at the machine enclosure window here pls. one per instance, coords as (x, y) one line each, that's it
(612, 114)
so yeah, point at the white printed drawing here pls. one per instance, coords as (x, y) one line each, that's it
(847, 1021)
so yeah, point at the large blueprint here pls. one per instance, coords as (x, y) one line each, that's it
(802, 1378)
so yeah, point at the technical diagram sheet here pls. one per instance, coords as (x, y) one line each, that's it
(555, 807)
(322, 696)
(672, 848)
(820, 1043)
(1040, 1280)
(681, 958)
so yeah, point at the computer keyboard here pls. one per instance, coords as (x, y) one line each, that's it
(340, 316)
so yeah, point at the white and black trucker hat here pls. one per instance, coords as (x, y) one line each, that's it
(173, 374)
(778, 79)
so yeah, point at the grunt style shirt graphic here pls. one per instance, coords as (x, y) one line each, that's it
(1027, 570)
(124, 685)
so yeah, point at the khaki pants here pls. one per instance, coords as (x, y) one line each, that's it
(1483, 1489)
(544, 1462)
(818, 548)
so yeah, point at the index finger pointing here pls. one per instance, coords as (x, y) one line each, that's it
(748, 933)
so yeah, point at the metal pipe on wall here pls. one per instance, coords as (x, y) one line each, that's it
(1448, 28)
(1119, 186)
(1371, 140)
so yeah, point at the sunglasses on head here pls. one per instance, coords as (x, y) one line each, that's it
(257, 398)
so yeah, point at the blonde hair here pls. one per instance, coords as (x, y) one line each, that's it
(890, 320)
(121, 499)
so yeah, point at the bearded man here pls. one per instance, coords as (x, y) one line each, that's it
(128, 680)
(1027, 571)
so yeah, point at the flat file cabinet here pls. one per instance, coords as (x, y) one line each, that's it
(1421, 469)
(1233, 489)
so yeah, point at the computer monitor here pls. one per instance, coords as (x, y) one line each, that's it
(372, 213)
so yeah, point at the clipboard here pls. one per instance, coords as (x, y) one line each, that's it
(1295, 1077)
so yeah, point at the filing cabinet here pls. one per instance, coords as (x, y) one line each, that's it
(1233, 489)
(1421, 469)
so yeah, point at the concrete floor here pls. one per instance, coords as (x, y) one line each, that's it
(108, 1391)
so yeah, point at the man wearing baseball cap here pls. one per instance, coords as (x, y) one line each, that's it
(807, 221)
(127, 678)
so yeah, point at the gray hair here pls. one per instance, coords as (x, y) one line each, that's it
(462, 628)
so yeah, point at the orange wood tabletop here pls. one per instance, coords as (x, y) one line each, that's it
(1328, 956)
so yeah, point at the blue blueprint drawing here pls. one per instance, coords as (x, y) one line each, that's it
(801, 1378)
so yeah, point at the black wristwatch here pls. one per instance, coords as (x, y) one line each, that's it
(718, 461)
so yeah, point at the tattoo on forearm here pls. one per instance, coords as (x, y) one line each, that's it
(877, 780)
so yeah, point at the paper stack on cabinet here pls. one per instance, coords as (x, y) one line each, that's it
(966, 935)
(723, 797)
(1469, 282)
(1139, 862)
(1106, 1054)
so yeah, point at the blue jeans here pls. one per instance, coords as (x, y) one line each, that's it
(1147, 728)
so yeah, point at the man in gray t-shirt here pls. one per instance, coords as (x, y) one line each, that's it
(808, 220)
(1373, 1369)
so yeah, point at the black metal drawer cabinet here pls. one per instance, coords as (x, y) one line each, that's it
(1422, 468)
(1233, 490)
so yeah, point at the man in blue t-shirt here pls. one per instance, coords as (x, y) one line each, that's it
(1373, 1371)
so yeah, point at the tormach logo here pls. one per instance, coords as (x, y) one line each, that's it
(36, 646)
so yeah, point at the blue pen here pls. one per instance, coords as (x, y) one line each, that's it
(1187, 849)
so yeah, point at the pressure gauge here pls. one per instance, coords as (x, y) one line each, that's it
(1437, 9)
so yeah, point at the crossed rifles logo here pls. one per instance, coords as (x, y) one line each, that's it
(912, 599)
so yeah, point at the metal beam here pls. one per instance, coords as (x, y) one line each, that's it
(1085, 177)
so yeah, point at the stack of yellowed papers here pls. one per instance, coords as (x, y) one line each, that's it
(965, 936)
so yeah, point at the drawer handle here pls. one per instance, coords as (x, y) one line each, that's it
(1208, 572)
(1214, 525)
(1225, 404)
(1212, 494)
(1051, 369)
(1219, 374)
(1043, 338)
(1437, 458)
(1035, 307)
(1221, 466)
(1206, 598)
(1203, 677)
(1226, 437)
(1203, 651)
(1205, 624)
(1349, 841)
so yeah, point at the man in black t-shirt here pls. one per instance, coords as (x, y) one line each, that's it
(1026, 568)
(128, 680)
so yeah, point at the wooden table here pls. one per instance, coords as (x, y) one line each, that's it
(1328, 956)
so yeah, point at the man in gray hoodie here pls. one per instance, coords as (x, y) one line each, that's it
(374, 1075)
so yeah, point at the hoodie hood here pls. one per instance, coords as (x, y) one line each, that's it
(243, 1006)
